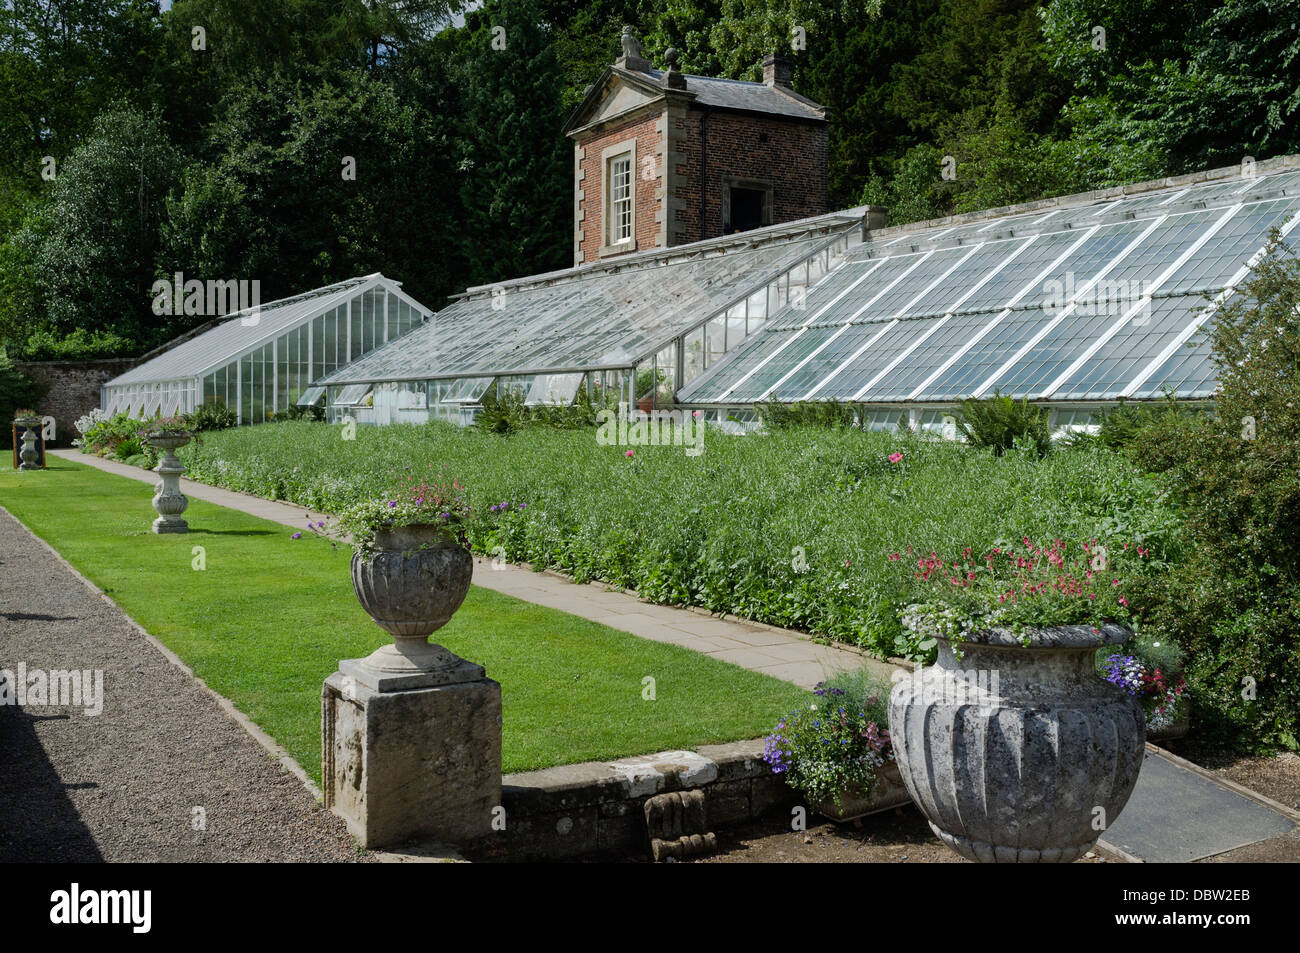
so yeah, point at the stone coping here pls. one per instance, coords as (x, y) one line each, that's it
(595, 782)
(598, 807)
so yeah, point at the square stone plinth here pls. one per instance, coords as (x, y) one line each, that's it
(418, 763)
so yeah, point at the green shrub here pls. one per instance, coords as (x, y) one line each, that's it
(128, 447)
(504, 412)
(811, 413)
(215, 416)
(833, 746)
(1121, 427)
(106, 436)
(999, 424)
(1235, 601)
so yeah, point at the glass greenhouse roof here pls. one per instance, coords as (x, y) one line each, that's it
(250, 329)
(604, 316)
(1096, 299)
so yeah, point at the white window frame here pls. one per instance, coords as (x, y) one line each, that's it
(618, 152)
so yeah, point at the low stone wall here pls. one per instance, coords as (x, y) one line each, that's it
(582, 809)
(72, 389)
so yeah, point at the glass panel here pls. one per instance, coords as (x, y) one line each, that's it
(356, 341)
(716, 337)
(554, 389)
(801, 346)
(694, 358)
(311, 396)
(1117, 362)
(845, 383)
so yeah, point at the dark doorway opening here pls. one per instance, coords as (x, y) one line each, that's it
(746, 209)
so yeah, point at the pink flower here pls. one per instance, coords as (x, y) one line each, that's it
(629, 453)
(895, 457)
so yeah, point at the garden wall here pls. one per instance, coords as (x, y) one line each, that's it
(72, 389)
(582, 809)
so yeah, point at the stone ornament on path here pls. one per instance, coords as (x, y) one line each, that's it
(1019, 752)
(169, 501)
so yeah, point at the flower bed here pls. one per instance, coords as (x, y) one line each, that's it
(793, 528)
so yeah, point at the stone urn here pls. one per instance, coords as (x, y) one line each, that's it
(169, 501)
(29, 454)
(1019, 752)
(411, 585)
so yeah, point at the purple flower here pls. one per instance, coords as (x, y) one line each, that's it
(523, 506)
(296, 536)
(391, 504)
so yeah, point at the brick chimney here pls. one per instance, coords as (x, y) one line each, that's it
(776, 70)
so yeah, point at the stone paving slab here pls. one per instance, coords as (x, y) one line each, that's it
(1176, 816)
(784, 654)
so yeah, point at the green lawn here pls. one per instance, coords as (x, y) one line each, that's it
(269, 617)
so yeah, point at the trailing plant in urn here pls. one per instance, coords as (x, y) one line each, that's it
(411, 570)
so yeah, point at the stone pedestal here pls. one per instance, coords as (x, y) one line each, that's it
(169, 501)
(411, 754)
(28, 454)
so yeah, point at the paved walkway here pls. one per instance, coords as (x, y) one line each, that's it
(784, 654)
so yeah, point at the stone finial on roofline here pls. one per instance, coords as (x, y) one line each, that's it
(673, 78)
(633, 57)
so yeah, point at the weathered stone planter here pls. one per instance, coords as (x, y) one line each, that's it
(29, 454)
(411, 586)
(169, 501)
(886, 794)
(1018, 754)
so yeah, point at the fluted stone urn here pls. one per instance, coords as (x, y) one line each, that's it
(29, 455)
(1019, 752)
(411, 585)
(169, 501)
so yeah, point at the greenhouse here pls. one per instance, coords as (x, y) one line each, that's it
(262, 361)
(1074, 302)
(637, 328)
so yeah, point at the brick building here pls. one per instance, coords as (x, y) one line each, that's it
(662, 158)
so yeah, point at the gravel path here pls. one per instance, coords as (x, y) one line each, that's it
(124, 785)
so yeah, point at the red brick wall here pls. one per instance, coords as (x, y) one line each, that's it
(645, 131)
(793, 159)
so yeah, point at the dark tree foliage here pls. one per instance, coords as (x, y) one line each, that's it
(462, 174)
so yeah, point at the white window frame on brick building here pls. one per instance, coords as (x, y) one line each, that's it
(618, 213)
